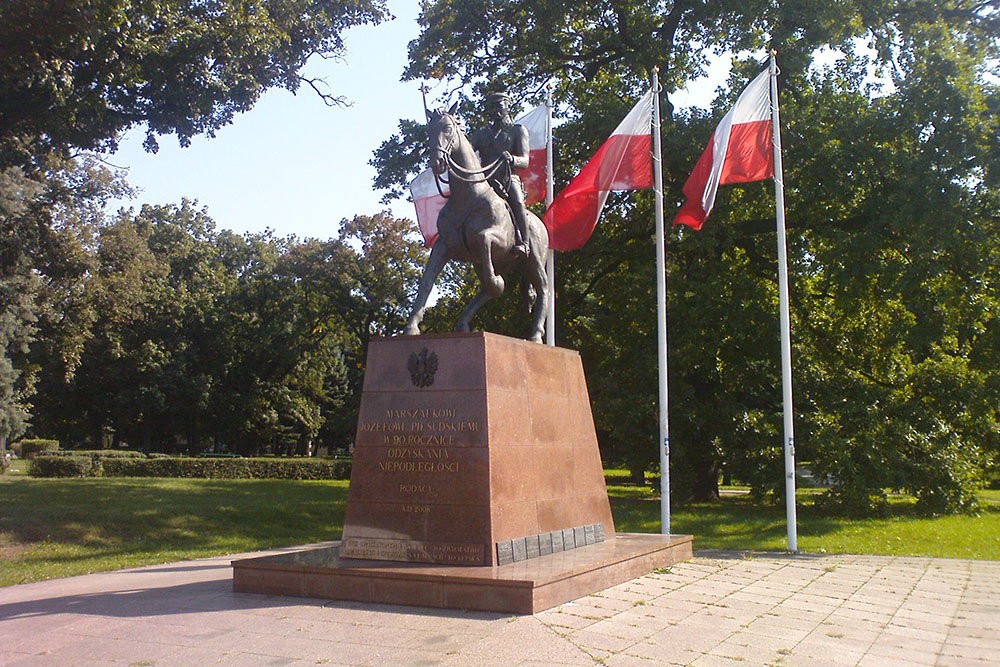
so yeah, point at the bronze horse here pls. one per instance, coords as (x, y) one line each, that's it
(475, 226)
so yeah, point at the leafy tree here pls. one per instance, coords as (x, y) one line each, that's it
(46, 222)
(892, 198)
(74, 75)
(77, 73)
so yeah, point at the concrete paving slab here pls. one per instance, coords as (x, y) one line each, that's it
(721, 608)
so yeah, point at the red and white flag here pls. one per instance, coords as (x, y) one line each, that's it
(738, 152)
(429, 202)
(623, 162)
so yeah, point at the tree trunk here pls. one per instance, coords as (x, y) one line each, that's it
(706, 481)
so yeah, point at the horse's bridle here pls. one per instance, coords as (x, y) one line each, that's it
(456, 170)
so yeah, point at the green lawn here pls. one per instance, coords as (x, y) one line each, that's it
(740, 523)
(62, 527)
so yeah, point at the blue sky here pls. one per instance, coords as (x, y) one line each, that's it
(293, 164)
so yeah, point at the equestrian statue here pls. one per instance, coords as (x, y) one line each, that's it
(484, 220)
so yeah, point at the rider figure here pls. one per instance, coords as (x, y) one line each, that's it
(506, 141)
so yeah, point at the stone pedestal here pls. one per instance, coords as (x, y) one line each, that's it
(473, 449)
(476, 484)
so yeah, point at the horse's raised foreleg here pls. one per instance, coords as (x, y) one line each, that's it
(492, 286)
(436, 262)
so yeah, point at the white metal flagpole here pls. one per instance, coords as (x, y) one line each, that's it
(661, 312)
(786, 346)
(550, 261)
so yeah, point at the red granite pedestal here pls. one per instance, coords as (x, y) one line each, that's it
(476, 483)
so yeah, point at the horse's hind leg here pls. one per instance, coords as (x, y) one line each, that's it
(436, 262)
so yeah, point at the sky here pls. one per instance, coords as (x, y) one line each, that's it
(294, 165)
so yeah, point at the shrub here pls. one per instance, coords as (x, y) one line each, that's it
(64, 466)
(226, 468)
(31, 446)
(99, 453)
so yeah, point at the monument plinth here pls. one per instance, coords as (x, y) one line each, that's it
(468, 444)
(476, 483)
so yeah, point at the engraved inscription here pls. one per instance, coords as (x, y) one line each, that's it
(569, 540)
(531, 547)
(505, 552)
(545, 544)
(557, 541)
(413, 551)
(520, 549)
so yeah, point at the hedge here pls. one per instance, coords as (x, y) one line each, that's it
(64, 466)
(99, 453)
(31, 446)
(211, 468)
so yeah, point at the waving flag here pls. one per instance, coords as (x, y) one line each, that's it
(429, 202)
(623, 162)
(738, 152)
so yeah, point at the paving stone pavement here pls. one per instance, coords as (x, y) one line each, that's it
(721, 608)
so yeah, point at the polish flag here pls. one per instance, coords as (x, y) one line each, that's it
(623, 162)
(429, 202)
(738, 152)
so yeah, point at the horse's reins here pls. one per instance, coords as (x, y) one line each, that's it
(461, 173)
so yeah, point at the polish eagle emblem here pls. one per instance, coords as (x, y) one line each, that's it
(422, 368)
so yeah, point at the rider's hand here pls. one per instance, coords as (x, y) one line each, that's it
(508, 158)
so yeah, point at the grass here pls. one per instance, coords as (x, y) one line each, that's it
(738, 522)
(62, 527)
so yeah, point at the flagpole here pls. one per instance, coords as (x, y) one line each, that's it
(550, 261)
(786, 347)
(661, 311)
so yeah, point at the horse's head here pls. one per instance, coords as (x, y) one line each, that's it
(443, 134)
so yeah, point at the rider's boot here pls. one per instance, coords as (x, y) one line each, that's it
(521, 247)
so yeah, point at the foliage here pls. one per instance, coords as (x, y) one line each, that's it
(31, 446)
(99, 453)
(201, 338)
(65, 466)
(46, 221)
(77, 75)
(889, 128)
(74, 76)
(230, 468)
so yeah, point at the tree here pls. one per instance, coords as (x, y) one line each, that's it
(891, 198)
(46, 224)
(78, 73)
(74, 75)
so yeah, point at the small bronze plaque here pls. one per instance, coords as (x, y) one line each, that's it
(569, 539)
(505, 552)
(589, 535)
(580, 536)
(557, 541)
(520, 549)
(545, 544)
(532, 549)
(599, 532)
